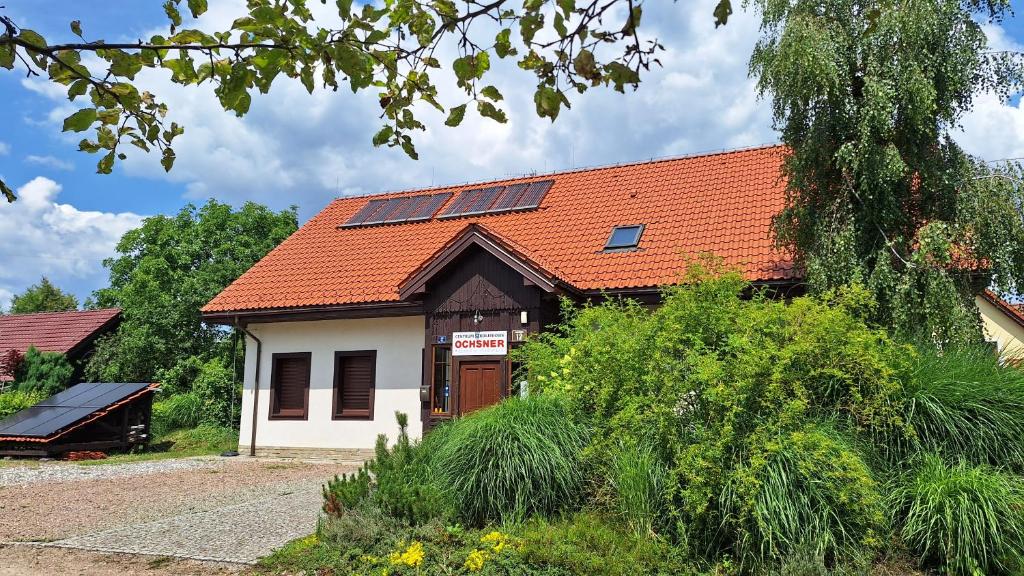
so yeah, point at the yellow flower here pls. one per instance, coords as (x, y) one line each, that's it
(475, 560)
(496, 539)
(413, 555)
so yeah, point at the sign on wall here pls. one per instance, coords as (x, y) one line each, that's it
(493, 343)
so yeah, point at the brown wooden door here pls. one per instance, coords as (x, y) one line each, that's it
(480, 385)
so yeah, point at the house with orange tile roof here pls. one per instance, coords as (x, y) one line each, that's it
(1003, 325)
(72, 333)
(411, 301)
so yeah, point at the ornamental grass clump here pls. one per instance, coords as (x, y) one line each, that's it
(963, 519)
(964, 404)
(520, 458)
(639, 483)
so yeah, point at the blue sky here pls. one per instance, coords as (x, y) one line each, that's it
(298, 149)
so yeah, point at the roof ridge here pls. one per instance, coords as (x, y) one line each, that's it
(23, 314)
(594, 168)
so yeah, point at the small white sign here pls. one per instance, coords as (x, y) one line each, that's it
(480, 343)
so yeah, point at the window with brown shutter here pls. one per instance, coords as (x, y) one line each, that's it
(354, 384)
(289, 386)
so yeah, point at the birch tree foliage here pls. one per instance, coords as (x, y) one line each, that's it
(391, 47)
(867, 95)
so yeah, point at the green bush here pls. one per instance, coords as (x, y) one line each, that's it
(44, 372)
(209, 381)
(962, 519)
(16, 400)
(396, 481)
(963, 404)
(516, 459)
(588, 543)
(181, 411)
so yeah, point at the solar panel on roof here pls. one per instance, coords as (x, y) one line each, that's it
(409, 207)
(66, 408)
(384, 214)
(365, 212)
(533, 195)
(484, 200)
(509, 197)
(462, 201)
(426, 210)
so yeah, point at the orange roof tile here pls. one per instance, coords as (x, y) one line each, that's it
(54, 331)
(719, 203)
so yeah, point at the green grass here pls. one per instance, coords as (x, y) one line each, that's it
(962, 519)
(639, 482)
(203, 440)
(520, 458)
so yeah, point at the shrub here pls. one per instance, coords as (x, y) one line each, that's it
(963, 404)
(396, 481)
(588, 543)
(177, 412)
(639, 481)
(16, 400)
(208, 380)
(10, 362)
(515, 459)
(962, 519)
(45, 372)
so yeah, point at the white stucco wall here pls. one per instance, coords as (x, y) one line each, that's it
(1001, 329)
(398, 342)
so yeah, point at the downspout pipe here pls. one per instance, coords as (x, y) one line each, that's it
(255, 385)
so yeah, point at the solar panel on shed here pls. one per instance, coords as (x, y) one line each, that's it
(534, 195)
(426, 210)
(66, 408)
(365, 212)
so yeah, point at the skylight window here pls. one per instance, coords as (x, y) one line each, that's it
(624, 237)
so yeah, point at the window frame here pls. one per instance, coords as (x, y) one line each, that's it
(433, 373)
(365, 415)
(608, 247)
(274, 413)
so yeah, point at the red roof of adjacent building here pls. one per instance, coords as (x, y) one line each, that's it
(54, 331)
(720, 203)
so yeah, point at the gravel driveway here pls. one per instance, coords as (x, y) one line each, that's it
(211, 509)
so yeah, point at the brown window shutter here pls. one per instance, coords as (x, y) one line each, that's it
(290, 385)
(354, 375)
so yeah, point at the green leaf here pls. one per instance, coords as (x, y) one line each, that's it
(585, 66)
(76, 28)
(455, 116)
(167, 160)
(106, 164)
(492, 93)
(80, 120)
(722, 12)
(6, 56)
(172, 14)
(7, 192)
(383, 136)
(88, 146)
(345, 9)
(32, 37)
(78, 88)
(548, 102)
(503, 43)
(197, 7)
(567, 6)
(488, 110)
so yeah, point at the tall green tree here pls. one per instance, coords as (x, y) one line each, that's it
(43, 297)
(866, 94)
(392, 48)
(165, 271)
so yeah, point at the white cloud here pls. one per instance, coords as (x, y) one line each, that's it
(5, 148)
(50, 161)
(40, 236)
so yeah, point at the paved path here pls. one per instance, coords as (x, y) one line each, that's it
(211, 510)
(237, 533)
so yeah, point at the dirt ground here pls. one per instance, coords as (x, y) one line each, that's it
(22, 560)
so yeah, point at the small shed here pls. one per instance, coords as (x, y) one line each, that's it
(87, 416)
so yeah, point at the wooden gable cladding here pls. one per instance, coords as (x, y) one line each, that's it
(479, 281)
